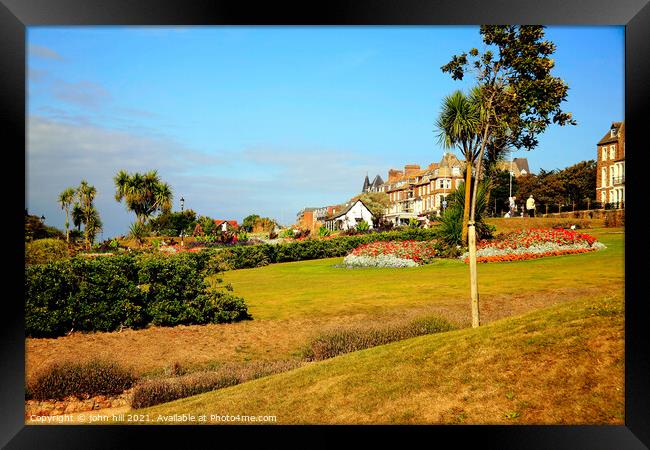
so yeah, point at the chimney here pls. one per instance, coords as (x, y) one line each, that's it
(394, 174)
(410, 169)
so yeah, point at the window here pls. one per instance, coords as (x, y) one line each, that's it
(612, 151)
(603, 196)
(455, 171)
(604, 152)
(603, 178)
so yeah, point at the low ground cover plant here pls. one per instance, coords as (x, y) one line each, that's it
(80, 379)
(338, 341)
(154, 392)
(391, 254)
(535, 243)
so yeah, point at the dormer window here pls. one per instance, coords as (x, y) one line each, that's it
(612, 132)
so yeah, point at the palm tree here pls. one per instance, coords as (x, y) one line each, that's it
(86, 213)
(66, 198)
(143, 194)
(458, 126)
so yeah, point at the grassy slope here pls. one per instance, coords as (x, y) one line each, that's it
(562, 364)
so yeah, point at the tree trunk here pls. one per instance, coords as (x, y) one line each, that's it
(468, 187)
(473, 276)
(67, 226)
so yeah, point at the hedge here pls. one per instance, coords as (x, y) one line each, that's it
(249, 256)
(107, 293)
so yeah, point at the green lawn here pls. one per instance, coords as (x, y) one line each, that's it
(308, 288)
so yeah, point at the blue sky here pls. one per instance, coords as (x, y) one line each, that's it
(269, 120)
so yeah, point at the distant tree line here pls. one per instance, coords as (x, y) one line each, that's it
(574, 186)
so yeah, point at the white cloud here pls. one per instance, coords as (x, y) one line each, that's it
(228, 185)
(81, 93)
(40, 51)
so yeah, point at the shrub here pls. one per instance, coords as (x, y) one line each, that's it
(363, 226)
(132, 290)
(239, 257)
(154, 392)
(344, 340)
(42, 251)
(79, 379)
(323, 231)
(138, 232)
(414, 223)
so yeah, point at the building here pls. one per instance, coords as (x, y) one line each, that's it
(518, 166)
(313, 218)
(415, 193)
(610, 166)
(226, 225)
(372, 187)
(348, 217)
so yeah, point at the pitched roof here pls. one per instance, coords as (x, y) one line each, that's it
(345, 210)
(377, 181)
(608, 138)
(366, 184)
(522, 164)
(233, 223)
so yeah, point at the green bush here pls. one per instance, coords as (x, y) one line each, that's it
(363, 226)
(42, 251)
(344, 340)
(79, 379)
(241, 257)
(108, 293)
(323, 231)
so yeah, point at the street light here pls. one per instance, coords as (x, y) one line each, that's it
(182, 231)
(511, 161)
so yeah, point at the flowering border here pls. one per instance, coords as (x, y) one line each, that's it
(536, 243)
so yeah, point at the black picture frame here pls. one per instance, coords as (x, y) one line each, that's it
(16, 15)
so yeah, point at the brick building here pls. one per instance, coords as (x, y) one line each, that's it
(414, 193)
(610, 166)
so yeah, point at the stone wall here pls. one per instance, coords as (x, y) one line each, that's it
(74, 405)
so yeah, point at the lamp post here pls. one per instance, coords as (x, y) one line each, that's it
(182, 231)
(511, 161)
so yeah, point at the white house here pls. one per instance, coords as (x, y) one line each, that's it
(349, 217)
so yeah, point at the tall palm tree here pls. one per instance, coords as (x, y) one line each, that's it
(88, 214)
(66, 199)
(143, 194)
(458, 127)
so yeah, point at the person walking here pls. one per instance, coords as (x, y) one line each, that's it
(512, 205)
(530, 206)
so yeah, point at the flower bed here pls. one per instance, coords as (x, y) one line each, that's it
(536, 243)
(391, 254)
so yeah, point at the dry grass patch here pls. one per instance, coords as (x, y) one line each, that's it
(560, 365)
